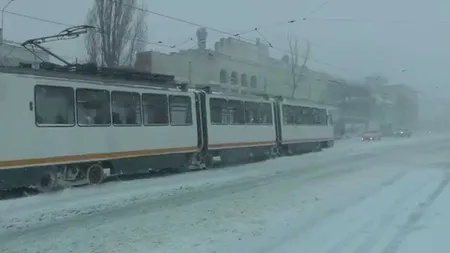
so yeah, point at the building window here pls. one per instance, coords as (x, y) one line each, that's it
(244, 80)
(253, 82)
(223, 76)
(234, 78)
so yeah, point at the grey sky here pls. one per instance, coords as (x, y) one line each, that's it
(419, 43)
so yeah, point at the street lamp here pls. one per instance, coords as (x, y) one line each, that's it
(3, 14)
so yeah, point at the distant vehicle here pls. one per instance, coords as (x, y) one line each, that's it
(371, 136)
(402, 133)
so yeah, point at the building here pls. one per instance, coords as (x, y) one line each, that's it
(236, 66)
(12, 53)
(404, 111)
(376, 103)
(239, 67)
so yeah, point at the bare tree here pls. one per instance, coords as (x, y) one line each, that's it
(121, 32)
(297, 70)
(93, 39)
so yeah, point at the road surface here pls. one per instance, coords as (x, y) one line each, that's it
(388, 196)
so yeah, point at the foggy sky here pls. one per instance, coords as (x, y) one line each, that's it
(363, 45)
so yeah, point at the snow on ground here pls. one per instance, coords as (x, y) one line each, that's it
(26, 212)
(375, 224)
(23, 213)
(427, 230)
(320, 201)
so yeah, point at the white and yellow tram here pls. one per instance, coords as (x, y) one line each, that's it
(66, 128)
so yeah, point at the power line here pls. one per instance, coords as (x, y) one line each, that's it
(342, 20)
(196, 24)
(158, 43)
(256, 29)
(378, 21)
(216, 30)
(237, 34)
(316, 9)
(176, 46)
(38, 19)
(182, 21)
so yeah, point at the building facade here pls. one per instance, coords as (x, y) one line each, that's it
(238, 67)
(404, 112)
(12, 53)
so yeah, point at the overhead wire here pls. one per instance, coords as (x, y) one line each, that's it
(98, 30)
(342, 20)
(159, 43)
(285, 51)
(243, 32)
(316, 9)
(176, 46)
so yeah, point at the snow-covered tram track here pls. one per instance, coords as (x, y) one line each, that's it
(389, 144)
(93, 213)
(247, 205)
(191, 187)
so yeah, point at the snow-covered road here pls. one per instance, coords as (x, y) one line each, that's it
(390, 196)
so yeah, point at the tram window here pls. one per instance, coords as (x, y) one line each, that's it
(315, 116)
(265, 114)
(295, 115)
(126, 108)
(237, 113)
(93, 107)
(54, 105)
(180, 110)
(322, 117)
(156, 109)
(252, 113)
(289, 115)
(219, 111)
(308, 117)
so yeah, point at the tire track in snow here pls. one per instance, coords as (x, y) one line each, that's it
(93, 218)
(387, 218)
(298, 231)
(333, 167)
(415, 217)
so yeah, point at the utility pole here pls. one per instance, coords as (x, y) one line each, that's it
(190, 73)
(3, 17)
(309, 91)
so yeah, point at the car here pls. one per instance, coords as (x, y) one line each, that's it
(371, 136)
(402, 133)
